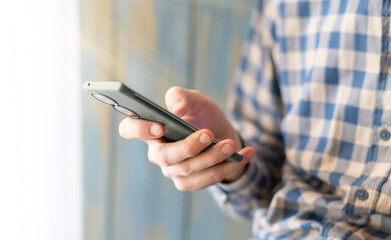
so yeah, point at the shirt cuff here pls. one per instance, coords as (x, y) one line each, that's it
(242, 183)
(235, 198)
(224, 193)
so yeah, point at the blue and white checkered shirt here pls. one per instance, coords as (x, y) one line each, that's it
(313, 96)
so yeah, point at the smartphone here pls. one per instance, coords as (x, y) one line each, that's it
(132, 104)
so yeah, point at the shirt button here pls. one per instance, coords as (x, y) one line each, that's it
(362, 194)
(385, 134)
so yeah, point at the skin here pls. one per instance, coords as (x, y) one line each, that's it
(182, 161)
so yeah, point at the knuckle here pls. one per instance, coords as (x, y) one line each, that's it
(150, 156)
(152, 152)
(217, 159)
(163, 158)
(184, 169)
(217, 176)
(158, 155)
(182, 185)
(189, 150)
(166, 173)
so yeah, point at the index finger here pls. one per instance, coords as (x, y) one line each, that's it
(130, 128)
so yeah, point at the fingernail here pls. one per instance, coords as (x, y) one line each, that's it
(176, 106)
(204, 138)
(227, 149)
(155, 130)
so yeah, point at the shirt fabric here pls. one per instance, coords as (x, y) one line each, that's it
(313, 97)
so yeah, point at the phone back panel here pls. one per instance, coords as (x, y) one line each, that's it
(175, 128)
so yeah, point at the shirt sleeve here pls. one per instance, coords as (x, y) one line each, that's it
(256, 110)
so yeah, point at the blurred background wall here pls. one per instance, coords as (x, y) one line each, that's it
(151, 45)
(40, 121)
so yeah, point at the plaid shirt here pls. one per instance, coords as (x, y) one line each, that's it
(313, 96)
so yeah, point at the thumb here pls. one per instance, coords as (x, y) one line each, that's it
(181, 101)
(199, 110)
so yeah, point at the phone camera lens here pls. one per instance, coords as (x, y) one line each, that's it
(115, 105)
(125, 111)
(103, 98)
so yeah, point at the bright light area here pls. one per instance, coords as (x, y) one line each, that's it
(40, 125)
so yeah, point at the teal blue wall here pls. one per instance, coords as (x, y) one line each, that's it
(152, 45)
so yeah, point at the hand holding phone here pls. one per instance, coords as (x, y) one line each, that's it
(139, 108)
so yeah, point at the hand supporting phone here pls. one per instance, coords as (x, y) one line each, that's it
(134, 105)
